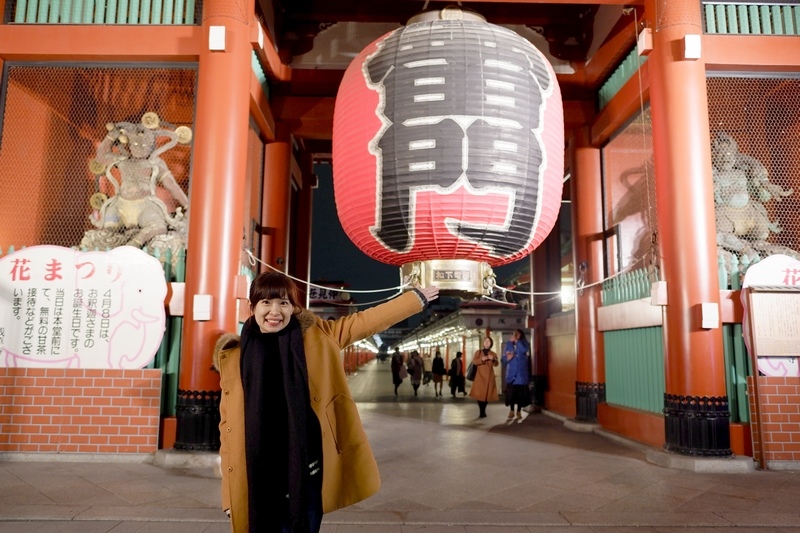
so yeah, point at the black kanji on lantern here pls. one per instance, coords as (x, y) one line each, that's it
(462, 104)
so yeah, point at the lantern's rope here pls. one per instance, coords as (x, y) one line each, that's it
(253, 260)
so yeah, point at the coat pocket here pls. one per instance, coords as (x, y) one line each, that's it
(345, 423)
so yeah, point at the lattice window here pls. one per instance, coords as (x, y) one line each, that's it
(54, 126)
(629, 197)
(755, 151)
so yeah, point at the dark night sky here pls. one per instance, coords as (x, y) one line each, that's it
(335, 258)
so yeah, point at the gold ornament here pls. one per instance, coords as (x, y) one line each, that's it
(109, 126)
(123, 138)
(184, 134)
(97, 200)
(96, 167)
(150, 120)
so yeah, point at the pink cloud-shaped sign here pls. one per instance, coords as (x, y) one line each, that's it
(63, 308)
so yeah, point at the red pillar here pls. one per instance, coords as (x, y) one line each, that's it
(697, 420)
(215, 228)
(587, 228)
(545, 264)
(301, 222)
(275, 215)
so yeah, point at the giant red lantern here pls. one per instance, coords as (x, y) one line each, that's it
(448, 143)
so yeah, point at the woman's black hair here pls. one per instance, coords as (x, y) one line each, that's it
(271, 285)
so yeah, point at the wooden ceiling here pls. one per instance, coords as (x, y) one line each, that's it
(583, 40)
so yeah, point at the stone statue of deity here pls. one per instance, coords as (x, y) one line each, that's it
(741, 190)
(129, 159)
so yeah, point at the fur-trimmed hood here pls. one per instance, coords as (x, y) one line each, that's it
(229, 341)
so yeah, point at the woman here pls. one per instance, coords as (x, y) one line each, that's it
(415, 367)
(456, 375)
(292, 443)
(438, 373)
(484, 387)
(397, 367)
(518, 374)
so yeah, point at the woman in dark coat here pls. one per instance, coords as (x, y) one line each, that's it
(397, 365)
(438, 373)
(456, 375)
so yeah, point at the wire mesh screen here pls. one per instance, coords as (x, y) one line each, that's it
(755, 154)
(629, 197)
(162, 12)
(95, 157)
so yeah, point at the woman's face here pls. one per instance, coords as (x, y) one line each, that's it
(272, 315)
(487, 342)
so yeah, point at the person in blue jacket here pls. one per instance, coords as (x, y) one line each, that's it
(518, 373)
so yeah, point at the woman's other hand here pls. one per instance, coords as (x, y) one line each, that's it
(431, 293)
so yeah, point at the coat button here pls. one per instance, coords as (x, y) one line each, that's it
(230, 469)
(227, 392)
(316, 398)
(228, 429)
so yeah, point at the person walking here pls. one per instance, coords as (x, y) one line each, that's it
(518, 373)
(484, 386)
(415, 366)
(456, 375)
(427, 368)
(282, 382)
(398, 369)
(438, 371)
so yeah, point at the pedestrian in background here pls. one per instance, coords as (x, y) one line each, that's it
(399, 372)
(518, 373)
(427, 368)
(438, 373)
(415, 366)
(484, 386)
(456, 375)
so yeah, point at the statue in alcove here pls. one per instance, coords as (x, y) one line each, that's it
(129, 157)
(741, 190)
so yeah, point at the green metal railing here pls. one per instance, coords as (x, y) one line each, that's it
(731, 17)
(625, 71)
(635, 368)
(156, 12)
(168, 357)
(737, 363)
(635, 357)
(751, 18)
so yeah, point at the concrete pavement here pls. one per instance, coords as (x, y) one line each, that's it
(443, 470)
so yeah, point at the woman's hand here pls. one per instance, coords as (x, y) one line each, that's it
(431, 293)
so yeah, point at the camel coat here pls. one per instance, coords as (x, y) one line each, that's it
(349, 470)
(484, 386)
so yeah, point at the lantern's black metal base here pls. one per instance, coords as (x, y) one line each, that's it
(197, 414)
(587, 396)
(697, 425)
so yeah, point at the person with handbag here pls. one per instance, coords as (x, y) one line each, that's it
(484, 387)
(518, 373)
(292, 444)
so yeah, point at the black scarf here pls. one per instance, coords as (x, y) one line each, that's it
(255, 363)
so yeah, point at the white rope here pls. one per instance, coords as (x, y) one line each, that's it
(253, 260)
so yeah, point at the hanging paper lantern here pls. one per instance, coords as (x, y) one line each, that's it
(448, 141)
